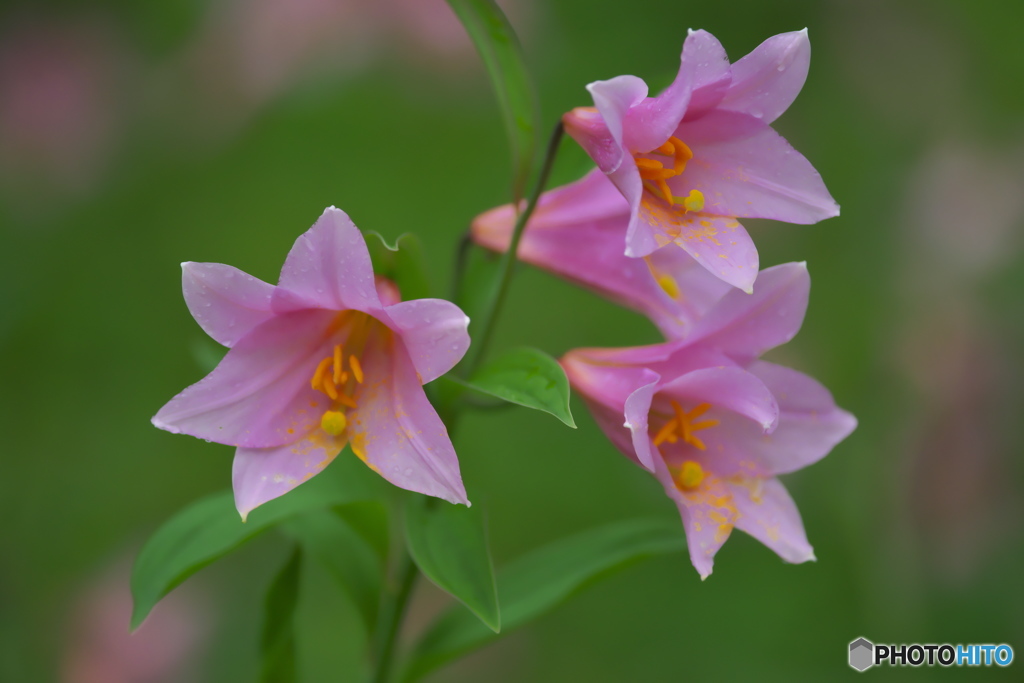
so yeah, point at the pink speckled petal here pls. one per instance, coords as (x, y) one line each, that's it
(226, 302)
(396, 431)
(743, 326)
(434, 332)
(708, 516)
(766, 81)
(328, 267)
(722, 246)
(746, 169)
(259, 395)
(767, 513)
(262, 474)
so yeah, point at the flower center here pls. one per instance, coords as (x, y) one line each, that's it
(682, 426)
(339, 374)
(655, 175)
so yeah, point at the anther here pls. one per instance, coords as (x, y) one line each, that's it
(321, 370)
(337, 364)
(327, 386)
(357, 369)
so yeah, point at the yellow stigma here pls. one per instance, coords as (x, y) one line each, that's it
(691, 474)
(669, 284)
(333, 422)
(695, 201)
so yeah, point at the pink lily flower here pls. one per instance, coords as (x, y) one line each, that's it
(320, 361)
(715, 424)
(702, 153)
(576, 232)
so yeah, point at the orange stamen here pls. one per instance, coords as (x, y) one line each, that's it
(357, 369)
(666, 433)
(327, 386)
(337, 364)
(319, 374)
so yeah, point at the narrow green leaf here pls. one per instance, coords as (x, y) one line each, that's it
(327, 536)
(526, 377)
(210, 528)
(543, 578)
(499, 48)
(277, 645)
(449, 545)
(403, 263)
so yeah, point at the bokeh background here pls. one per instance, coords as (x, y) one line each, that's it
(134, 136)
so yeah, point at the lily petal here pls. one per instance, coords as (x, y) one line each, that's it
(743, 326)
(722, 246)
(434, 333)
(766, 81)
(328, 267)
(636, 410)
(259, 395)
(396, 431)
(768, 513)
(708, 514)
(576, 233)
(711, 76)
(810, 423)
(730, 388)
(226, 302)
(613, 99)
(746, 169)
(259, 475)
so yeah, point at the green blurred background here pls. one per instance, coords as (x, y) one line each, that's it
(134, 136)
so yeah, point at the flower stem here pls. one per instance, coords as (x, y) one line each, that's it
(392, 612)
(508, 259)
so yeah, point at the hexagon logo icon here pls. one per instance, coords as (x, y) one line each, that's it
(862, 654)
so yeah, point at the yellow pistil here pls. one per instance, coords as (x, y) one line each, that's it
(654, 174)
(333, 422)
(683, 427)
(691, 474)
(695, 201)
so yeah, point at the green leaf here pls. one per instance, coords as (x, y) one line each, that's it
(277, 645)
(502, 54)
(347, 556)
(403, 263)
(543, 578)
(449, 545)
(526, 377)
(210, 528)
